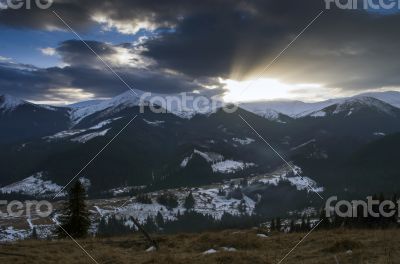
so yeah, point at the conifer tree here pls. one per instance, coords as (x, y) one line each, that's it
(160, 220)
(273, 227)
(396, 210)
(34, 234)
(74, 219)
(292, 226)
(303, 226)
(242, 207)
(278, 224)
(189, 201)
(324, 221)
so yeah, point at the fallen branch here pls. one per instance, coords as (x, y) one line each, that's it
(141, 229)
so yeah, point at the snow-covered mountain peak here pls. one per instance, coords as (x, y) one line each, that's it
(357, 103)
(261, 109)
(127, 99)
(352, 105)
(9, 103)
(185, 106)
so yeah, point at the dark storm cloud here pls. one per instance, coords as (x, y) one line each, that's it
(75, 52)
(35, 84)
(351, 50)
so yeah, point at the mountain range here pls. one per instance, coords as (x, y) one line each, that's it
(50, 145)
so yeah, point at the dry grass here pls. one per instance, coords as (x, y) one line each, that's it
(367, 246)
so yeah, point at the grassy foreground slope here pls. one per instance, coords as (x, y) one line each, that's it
(336, 246)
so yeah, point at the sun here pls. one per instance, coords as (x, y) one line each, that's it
(264, 89)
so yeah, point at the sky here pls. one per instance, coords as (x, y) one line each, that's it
(219, 47)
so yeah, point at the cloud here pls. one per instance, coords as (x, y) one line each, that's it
(76, 53)
(3, 59)
(88, 79)
(196, 42)
(48, 51)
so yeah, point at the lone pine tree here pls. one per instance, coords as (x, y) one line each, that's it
(74, 220)
(189, 201)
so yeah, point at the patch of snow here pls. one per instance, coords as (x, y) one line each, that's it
(262, 236)
(318, 114)
(11, 234)
(151, 249)
(87, 137)
(209, 156)
(185, 161)
(210, 251)
(9, 103)
(85, 182)
(103, 123)
(125, 189)
(285, 174)
(304, 183)
(381, 134)
(229, 249)
(64, 134)
(73, 132)
(230, 166)
(33, 185)
(245, 141)
(155, 123)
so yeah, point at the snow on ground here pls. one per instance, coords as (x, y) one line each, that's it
(125, 189)
(33, 185)
(218, 162)
(304, 183)
(155, 123)
(285, 174)
(209, 156)
(85, 138)
(10, 234)
(121, 101)
(210, 251)
(381, 134)
(208, 201)
(9, 103)
(245, 141)
(73, 132)
(185, 161)
(230, 166)
(104, 123)
(64, 134)
(318, 114)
